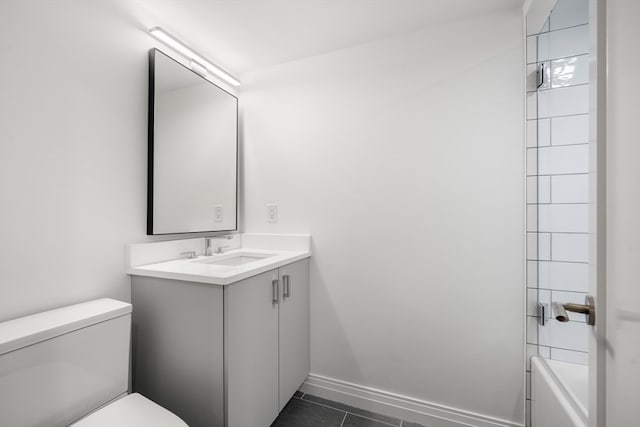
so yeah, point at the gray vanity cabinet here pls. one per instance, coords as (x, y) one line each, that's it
(251, 349)
(294, 344)
(222, 355)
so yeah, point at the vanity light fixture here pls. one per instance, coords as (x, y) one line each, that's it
(197, 60)
(198, 68)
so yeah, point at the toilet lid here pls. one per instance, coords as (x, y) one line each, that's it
(133, 410)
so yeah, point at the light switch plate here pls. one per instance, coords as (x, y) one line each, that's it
(219, 213)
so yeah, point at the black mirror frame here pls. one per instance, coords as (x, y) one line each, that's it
(150, 148)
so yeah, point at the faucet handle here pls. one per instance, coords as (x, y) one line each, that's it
(220, 249)
(559, 310)
(189, 254)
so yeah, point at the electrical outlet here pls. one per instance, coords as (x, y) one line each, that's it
(219, 213)
(272, 212)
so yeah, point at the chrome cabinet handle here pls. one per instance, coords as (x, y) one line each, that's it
(275, 291)
(286, 285)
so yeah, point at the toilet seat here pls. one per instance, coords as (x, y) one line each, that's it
(133, 410)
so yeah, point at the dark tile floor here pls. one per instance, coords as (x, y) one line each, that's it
(305, 410)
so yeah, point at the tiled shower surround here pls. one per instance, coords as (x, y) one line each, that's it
(558, 180)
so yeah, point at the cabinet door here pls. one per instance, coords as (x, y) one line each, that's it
(251, 351)
(294, 328)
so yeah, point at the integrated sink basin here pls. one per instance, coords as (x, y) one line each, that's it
(253, 255)
(239, 258)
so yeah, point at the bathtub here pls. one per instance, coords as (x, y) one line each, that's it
(559, 393)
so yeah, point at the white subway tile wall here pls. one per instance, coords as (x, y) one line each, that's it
(532, 189)
(532, 105)
(532, 272)
(532, 48)
(563, 218)
(544, 132)
(553, 275)
(532, 218)
(570, 247)
(532, 246)
(532, 133)
(571, 356)
(532, 162)
(563, 43)
(532, 330)
(544, 246)
(564, 335)
(544, 189)
(557, 183)
(563, 101)
(569, 71)
(545, 27)
(562, 160)
(568, 188)
(570, 130)
(569, 13)
(539, 246)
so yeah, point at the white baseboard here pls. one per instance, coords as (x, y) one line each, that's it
(395, 405)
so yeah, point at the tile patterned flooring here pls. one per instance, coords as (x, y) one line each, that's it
(305, 410)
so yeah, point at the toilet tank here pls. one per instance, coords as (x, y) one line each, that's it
(59, 365)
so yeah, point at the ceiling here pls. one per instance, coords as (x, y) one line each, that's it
(242, 35)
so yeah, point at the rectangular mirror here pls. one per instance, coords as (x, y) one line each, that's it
(193, 151)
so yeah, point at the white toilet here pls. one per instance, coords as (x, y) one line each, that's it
(70, 367)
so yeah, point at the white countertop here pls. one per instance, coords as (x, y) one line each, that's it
(203, 270)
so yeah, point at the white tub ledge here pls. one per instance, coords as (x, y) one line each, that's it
(558, 393)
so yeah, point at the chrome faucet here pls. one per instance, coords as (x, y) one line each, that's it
(208, 251)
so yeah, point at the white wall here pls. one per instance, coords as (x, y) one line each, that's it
(622, 213)
(72, 151)
(404, 159)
